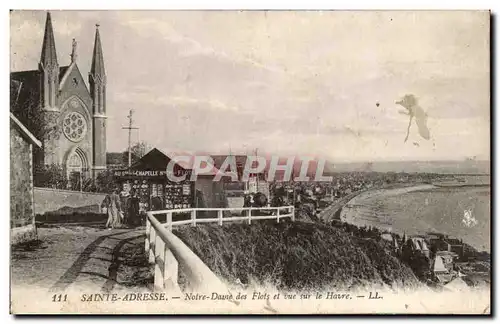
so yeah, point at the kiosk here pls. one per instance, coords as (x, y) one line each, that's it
(148, 178)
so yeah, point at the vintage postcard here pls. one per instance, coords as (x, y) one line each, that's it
(250, 162)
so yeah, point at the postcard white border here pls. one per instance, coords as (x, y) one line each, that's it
(185, 4)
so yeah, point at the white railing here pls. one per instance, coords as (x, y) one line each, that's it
(250, 214)
(166, 251)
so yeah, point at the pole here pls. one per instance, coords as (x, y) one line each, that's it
(257, 180)
(130, 128)
(293, 184)
(130, 138)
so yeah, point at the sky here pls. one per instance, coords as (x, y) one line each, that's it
(320, 83)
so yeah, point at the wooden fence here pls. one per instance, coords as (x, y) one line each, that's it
(166, 251)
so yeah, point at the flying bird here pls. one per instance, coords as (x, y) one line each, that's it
(409, 102)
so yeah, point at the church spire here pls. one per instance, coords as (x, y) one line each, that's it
(97, 77)
(97, 68)
(49, 55)
(97, 83)
(49, 68)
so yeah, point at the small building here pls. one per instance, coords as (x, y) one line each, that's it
(443, 266)
(148, 177)
(235, 191)
(22, 204)
(455, 246)
(448, 258)
(418, 243)
(438, 266)
(443, 243)
(440, 271)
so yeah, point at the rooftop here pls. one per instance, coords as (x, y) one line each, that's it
(446, 253)
(24, 131)
(452, 241)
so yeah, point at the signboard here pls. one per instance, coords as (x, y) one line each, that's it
(148, 173)
(178, 195)
(252, 185)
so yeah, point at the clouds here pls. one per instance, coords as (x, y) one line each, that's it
(26, 35)
(147, 97)
(282, 81)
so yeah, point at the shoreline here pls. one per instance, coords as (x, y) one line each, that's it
(328, 215)
(336, 214)
(337, 206)
(440, 185)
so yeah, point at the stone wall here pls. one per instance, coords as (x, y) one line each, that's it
(51, 200)
(21, 186)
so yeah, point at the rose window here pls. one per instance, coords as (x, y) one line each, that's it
(74, 126)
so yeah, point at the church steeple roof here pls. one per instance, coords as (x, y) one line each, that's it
(49, 55)
(97, 68)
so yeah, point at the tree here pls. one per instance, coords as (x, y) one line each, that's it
(140, 149)
(89, 185)
(105, 181)
(416, 260)
(420, 265)
(44, 125)
(50, 176)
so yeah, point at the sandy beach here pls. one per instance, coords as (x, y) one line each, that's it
(423, 208)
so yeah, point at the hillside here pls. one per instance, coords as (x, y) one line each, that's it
(294, 256)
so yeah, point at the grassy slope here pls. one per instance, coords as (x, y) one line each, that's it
(294, 255)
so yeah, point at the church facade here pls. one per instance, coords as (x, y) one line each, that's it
(56, 105)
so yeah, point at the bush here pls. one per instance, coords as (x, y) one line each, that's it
(294, 255)
(50, 176)
(54, 176)
(104, 181)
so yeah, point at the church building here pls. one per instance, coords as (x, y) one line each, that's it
(56, 105)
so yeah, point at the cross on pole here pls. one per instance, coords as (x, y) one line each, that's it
(130, 128)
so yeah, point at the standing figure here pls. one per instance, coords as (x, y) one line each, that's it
(133, 208)
(113, 205)
(124, 197)
(156, 203)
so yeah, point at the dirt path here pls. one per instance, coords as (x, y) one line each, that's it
(86, 258)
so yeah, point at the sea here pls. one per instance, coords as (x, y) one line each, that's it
(461, 211)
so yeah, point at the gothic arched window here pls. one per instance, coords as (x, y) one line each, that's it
(75, 163)
(75, 168)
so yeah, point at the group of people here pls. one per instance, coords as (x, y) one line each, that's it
(122, 209)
